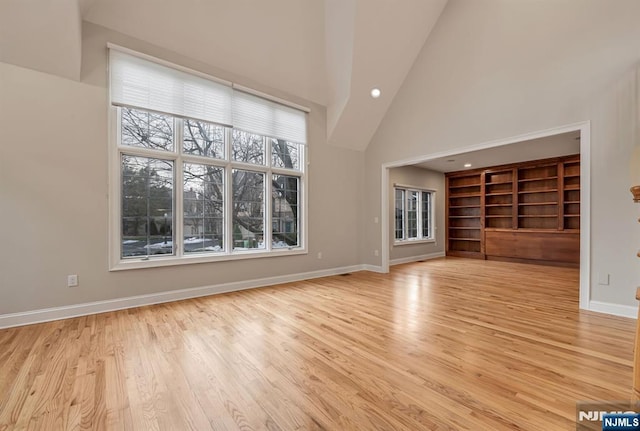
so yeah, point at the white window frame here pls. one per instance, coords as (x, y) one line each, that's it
(116, 150)
(432, 222)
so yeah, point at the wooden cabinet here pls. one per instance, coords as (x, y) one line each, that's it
(525, 212)
(544, 247)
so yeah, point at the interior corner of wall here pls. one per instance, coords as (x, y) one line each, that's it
(334, 112)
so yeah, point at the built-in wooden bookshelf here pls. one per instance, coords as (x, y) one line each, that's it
(516, 212)
(499, 198)
(464, 208)
(571, 195)
(538, 196)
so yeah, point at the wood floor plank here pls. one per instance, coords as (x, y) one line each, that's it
(446, 344)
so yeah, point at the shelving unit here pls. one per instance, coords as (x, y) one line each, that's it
(571, 195)
(525, 212)
(464, 213)
(499, 198)
(538, 197)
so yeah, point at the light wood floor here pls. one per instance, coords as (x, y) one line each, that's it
(447, 344)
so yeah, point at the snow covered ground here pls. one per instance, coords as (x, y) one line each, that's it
(158, 245)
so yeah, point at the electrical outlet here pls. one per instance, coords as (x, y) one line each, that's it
(603, 278)
(376, 220)
(319, 255)
(72, 280)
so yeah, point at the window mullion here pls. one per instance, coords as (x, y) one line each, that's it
(267, 154)
(285, 171)
(268, 193)
(146, 152)
(178, 206)
(430, 220)
(116, 203)
(228, 195)
(201, 160)
(418, 210)
(405, 215)
(249, 166)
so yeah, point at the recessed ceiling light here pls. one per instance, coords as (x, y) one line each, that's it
(467, 165)
(375, 93)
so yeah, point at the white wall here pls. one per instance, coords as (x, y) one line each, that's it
(53, 192)
(494, 69)
(422, 179)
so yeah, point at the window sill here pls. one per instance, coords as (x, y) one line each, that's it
(414, 241)
(155, 262)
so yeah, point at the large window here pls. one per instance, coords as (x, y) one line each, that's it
(413, 215)
(192, 189)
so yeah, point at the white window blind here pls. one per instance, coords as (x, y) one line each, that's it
(138, 83)
(264, 117)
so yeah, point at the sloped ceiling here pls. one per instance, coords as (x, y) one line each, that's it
(330, 52)
(44, 35)
(386, 37)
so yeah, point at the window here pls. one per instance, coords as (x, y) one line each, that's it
(413, 215)
(192, 186)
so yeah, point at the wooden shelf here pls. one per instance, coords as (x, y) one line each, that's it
(571, 175)
(523, 192)
(465, 195)
(524, 229)
(497, 182)
(499, 194)
(572, 215)
(572, 188)
(538, 216)
(498, 205)
(536, 203)
(499, 216)
(571, 202)
(525, 180)
(465, 186)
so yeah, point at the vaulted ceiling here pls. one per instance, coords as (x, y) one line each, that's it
(331, 52)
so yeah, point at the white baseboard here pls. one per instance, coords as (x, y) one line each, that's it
(68, 311)
(416, 258)
(615, 309)
(373, 268)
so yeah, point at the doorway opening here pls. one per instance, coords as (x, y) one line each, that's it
(557, 142)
